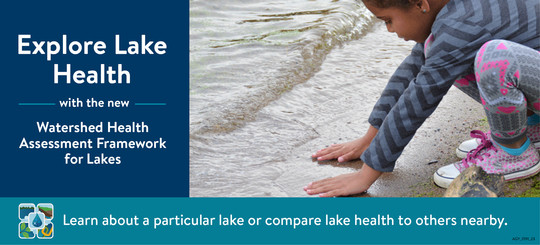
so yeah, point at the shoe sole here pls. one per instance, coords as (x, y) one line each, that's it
(460, 153)
(463, 154)
(444, 182)
(523, 174)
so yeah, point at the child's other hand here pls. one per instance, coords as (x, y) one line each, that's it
(343, 152)
(347, 151)
(345, 184)
(342, 185)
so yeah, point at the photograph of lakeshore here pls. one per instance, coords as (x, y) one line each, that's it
(273, 82)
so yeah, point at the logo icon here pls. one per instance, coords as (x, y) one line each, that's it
(36, 221)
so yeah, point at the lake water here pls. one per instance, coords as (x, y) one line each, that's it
(267, 78)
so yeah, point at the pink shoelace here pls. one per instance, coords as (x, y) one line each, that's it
(478, 153)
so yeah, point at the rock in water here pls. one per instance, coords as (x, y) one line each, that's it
(475, 182)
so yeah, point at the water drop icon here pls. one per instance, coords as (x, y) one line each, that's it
(37, 221)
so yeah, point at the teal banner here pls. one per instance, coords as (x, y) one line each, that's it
(269, 221)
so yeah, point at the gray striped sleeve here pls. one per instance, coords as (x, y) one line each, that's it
(399, 81)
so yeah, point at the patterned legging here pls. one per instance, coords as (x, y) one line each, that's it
(506, 80)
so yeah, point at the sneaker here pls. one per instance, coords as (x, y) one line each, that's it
(533, 132)
(492, 159)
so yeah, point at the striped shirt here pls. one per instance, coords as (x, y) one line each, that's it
(419, 83)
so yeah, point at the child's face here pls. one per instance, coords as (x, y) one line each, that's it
(409, 24)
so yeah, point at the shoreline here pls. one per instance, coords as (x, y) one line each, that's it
(433, 145)
(270, 155)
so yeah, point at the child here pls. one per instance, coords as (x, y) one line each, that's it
(486, 48)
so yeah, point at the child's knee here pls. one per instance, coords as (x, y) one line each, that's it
(493, 55)
(486, 50)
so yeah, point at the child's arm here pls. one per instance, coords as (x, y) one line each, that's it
(359, 182)
(345, 184)
(400, 80)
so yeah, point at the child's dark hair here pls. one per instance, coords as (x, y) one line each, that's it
(391, 3)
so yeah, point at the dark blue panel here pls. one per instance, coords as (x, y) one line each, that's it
(154, 78)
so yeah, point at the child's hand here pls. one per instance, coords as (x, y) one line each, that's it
(344, 185)
(343, 152)
(347, 151)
